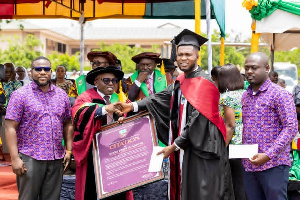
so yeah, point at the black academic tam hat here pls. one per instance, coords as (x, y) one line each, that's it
(187, 37)
(90, 77)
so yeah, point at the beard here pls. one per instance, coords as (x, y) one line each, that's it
(41, 84)
(149, 73)
(190, 69)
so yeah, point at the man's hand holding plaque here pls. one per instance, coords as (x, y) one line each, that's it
(122, 152)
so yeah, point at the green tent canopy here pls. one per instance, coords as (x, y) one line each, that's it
(186, 10)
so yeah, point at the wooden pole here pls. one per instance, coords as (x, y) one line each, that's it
(198, 23)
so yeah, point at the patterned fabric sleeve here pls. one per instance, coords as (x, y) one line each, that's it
(73, 90)
(67, 114)
(226, 100)
(10, 87)
(15, 107)
(232, 99)
(17, 85)
(288, 118)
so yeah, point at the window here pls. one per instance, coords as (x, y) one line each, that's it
(61, 47)
(75, 50)
(50, 45)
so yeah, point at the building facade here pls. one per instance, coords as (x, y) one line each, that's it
(67, 39)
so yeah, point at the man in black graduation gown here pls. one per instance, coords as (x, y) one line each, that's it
(187, 118)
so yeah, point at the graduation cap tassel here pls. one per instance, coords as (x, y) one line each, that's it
(173, 51)
(162, 68)
(121, 95)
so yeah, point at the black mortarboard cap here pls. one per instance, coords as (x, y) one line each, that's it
(187, 37)
(173, 51)
(168, 64)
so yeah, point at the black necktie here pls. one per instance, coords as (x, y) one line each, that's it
(109, 115)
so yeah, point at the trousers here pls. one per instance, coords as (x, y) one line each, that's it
(270, 184)
(43, 179)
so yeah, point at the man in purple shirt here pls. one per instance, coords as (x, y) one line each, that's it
(38, 118)
(270, 120)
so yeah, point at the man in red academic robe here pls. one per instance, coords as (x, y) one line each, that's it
(147, 80)
(92, 109)
(97, 59)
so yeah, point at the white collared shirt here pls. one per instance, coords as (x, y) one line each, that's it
(104, 112)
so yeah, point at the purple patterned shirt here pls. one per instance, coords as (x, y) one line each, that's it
(270, 120)
(41, 116)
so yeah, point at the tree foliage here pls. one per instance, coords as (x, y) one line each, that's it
(21, 53)
(125, 53)
(7, 21)
(70, 62)
(292, 57)
(232, 54)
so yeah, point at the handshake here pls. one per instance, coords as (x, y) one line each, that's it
(119, 108)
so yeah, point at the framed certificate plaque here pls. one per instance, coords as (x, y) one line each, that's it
(122, 155)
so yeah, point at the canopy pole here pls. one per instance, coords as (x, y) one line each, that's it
(198, 23)
(222, 55)
(272, 59)
(254, 38)
(209, 48)
(81, 59)
(72, 9)
(272, 52)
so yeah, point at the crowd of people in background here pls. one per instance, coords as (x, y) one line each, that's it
(205, 113)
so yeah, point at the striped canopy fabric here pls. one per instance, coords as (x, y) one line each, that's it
(136, 9)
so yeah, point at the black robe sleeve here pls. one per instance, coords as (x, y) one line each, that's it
(133, 92)
(159, 107)
(201, 135)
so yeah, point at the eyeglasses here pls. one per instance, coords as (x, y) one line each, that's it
(106, 81)
(20, 71)
(39, 69)
(98, 63)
